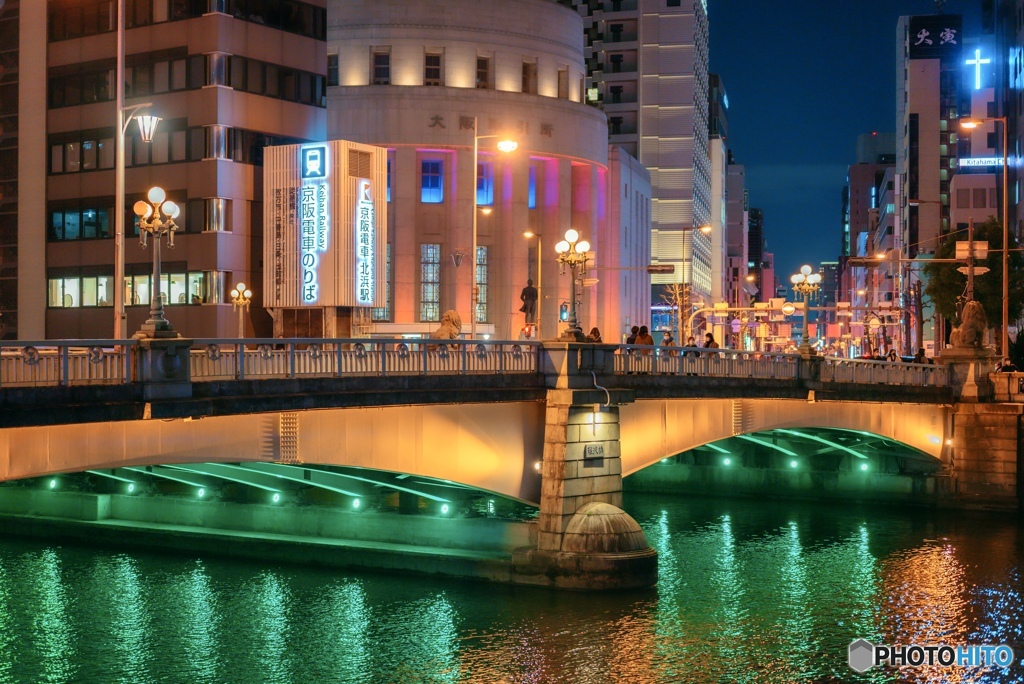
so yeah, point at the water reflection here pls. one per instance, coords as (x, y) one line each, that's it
(748, 591)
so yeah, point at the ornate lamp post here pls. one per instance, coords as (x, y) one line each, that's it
(240, 299)
(156, 218)
(573, 252)
(805, 284)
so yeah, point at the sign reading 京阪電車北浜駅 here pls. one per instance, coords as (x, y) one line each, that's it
(326, 227)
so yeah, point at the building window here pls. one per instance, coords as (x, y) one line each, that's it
(673, 3)
(979, 198)
(381, 66)
(389, 179)
(563, 84)
(616, 62)
(531, 192)
(615, 125)
(963, 198)
(483, 290)
(483, 72)
(432, 181)
(383, 313)
(430, 282)
(432, 69)
(332, 70)
(530, 77)
(485, 183)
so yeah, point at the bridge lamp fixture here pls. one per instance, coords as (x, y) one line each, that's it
(572, 252)
(356, 503)
(131, 488)
(156, 219)
(276, 498)
(537, 466)
(53, 484)
(201, 493)
(864, 466)
(444, 509)
(727, 461)
(793, 464)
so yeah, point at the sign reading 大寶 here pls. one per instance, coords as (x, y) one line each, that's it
(935, 36)
(324, 224)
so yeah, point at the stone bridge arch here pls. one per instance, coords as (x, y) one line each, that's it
(653, 429)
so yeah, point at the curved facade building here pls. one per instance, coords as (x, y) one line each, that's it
(419, 79)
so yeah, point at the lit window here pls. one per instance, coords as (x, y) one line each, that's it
(531, 196)
(485, 183)
(483, 291)
(430, 282)
(432, 181)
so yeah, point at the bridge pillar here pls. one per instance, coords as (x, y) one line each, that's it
(986, 460)
(968, 372)
(163, 367)
(584, 540)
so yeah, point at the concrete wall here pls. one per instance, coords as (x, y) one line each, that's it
(986, 452)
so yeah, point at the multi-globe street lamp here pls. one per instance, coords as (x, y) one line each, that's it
(156, 218)
(240, 300)
(805, 283)
(572, 252)
(505, 146)
(971, 124)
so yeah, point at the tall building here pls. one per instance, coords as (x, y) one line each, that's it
(500, 68)
(718, 148)
(755, 253)
(227, 78)
(737, 235)
(648, 66)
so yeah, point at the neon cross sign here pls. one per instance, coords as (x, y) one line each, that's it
(977, 62)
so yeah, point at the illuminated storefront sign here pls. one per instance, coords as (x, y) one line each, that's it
(981, 161)
(977, 62)
(365, 240)
(314, 220)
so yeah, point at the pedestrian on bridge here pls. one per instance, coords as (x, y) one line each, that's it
(709, 341)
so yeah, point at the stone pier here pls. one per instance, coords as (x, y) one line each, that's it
(585, 540)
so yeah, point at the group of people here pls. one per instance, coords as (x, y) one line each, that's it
(641, 335)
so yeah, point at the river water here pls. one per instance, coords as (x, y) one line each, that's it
(748, 592)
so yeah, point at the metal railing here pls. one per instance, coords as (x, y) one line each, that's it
(65, 362)
(867, 372)
(730, 363)
(219, 359)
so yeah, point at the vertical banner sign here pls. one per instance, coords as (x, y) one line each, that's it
(365, 240)
(313, 226)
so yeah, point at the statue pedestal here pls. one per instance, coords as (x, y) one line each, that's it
(968, 372)
(162, 365)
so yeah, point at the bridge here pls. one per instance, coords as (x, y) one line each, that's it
(553, 424)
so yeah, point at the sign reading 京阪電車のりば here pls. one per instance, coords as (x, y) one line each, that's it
(325, 223)
(364, 243)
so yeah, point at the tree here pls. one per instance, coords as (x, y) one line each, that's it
(677, 296)
(945, 283)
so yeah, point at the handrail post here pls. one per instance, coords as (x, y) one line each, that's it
(64, 371)
(501, 359)
(465, 357)
(291, 359)
(382, 347)
(126, 357)
(337, 359)
(240, 360)
(423, 357)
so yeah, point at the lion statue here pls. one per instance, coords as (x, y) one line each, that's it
(451, 326)
(973, 324)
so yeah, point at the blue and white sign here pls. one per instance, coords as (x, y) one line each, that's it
(365, 241)
(977, 62)
(980, 161)
(314, 221)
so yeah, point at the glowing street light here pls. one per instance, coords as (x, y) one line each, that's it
(805, 284)
(156, 218)
(240, 299)
(573, 252)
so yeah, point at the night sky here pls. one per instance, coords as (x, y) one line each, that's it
(804, 79)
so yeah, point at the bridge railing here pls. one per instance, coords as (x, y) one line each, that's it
(864, 371)
(28, 363)
(639, 359)
(219, 359)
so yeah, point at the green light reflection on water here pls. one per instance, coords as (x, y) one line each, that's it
(797, 628)
(131, 626)
(431, 644)
(340, 621)
(270, 603)
(50, 618)
(200, 620)
(7, 629)
(730, 616)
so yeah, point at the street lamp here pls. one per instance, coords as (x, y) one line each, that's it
(156, 218)
(147, 127)
(573, 251)
(240, 298)
(805, 284)
(971, 124)
(540, 292)
(505, 146)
